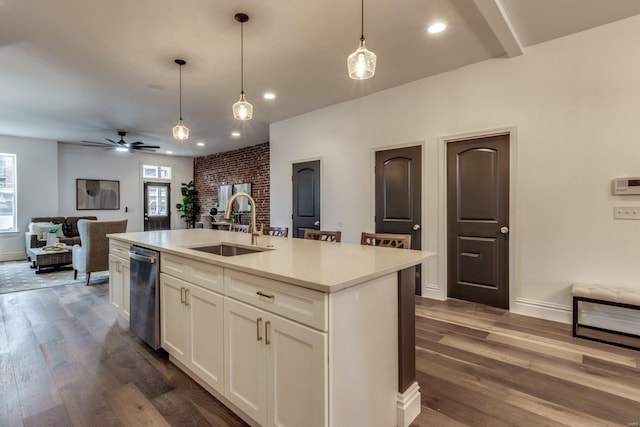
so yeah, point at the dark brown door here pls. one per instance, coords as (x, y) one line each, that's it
(399, 196)
(478, 220)
(157, 202)
(306, 197)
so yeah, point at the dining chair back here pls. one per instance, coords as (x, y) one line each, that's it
(325, 236)
(276, 231)
(239, 228)
(401, 241)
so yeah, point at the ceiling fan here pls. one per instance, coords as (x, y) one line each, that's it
(122, 145)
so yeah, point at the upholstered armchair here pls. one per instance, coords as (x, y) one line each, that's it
(93, 252)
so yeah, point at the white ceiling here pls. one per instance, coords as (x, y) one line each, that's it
(82, 70)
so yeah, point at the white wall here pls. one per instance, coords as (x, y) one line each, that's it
(37, 176)
(574, 105)
(94, 163)
(47, 172)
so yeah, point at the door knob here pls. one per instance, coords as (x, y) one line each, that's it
(416, 227)
(317, 223)
(504, 230)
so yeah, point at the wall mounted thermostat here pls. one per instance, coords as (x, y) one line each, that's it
(624, 186)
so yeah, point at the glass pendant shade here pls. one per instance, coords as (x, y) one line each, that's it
(180, 131)
(242, 110)
(361, 63)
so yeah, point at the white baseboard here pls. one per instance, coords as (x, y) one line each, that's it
(433, 292)
(408, 405)
(542, 310)
(13, 256)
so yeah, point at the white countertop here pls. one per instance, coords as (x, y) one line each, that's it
(322, 266)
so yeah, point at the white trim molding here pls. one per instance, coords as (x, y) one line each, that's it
(408, 405)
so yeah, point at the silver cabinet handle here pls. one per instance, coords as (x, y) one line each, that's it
(317, 223)
(186, 296)
(267, 339)
(416, 227)
(181, 295)
(260, 293)
(259, 328)
(504, 230)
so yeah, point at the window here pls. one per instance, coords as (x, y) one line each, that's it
(8, 214)
(156, 172)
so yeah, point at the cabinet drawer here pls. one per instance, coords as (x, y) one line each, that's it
(200, 273)
(303, 305)
(118, 248)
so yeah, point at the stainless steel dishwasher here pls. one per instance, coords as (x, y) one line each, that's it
(144, 295)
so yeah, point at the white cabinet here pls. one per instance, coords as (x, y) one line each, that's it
(119, 278)
(192, 328)
(275, 369)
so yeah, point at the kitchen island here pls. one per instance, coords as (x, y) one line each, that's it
(296, 333)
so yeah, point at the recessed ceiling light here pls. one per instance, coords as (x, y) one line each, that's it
(200, 144)
(235, 134)
(169, 152)
(437, 27)
(269, 95)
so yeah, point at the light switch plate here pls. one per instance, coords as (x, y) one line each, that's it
(626, 212)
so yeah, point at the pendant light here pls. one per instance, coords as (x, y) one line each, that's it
(361, 63)
(242, 110)
(180, 131)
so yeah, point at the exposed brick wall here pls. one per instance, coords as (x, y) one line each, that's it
(245, 165)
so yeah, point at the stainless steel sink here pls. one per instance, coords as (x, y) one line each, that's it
(228, 250)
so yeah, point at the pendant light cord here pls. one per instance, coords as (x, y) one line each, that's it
(180, 92)
(242, 57)
(362, 21)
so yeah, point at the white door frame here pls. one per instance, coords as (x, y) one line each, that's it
(442, 217)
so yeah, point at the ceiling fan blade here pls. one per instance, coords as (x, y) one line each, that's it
(150, 146)
(111, 141)
(94, 142)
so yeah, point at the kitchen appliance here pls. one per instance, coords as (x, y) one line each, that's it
(144, 295)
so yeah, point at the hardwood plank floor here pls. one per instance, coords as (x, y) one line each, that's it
(480, 365)
(66, 359)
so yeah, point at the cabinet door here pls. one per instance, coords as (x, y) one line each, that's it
(297, 370)
(126, 280)
(206, 338)
(115, 282)
(245, 362)
(173, 317)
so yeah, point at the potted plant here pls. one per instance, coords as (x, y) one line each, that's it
(189, 206)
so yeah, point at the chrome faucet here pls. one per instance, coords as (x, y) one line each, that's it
(227, 214)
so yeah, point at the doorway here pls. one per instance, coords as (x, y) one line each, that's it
(157, 206)
(306, 197)
(478, 220)
(398, 196)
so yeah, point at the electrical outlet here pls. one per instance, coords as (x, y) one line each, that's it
(626, 212)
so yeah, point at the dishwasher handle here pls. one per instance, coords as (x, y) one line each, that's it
(138, 257)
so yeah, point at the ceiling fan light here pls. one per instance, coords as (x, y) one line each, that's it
(242, 110)
(361, 63)
(180, 131)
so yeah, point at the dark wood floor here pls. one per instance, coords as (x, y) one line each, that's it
(65, 359)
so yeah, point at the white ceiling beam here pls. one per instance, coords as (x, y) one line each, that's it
(500, 24)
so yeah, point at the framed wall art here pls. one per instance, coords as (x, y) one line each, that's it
(97, 194)
(243, 203)
(224, 193)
